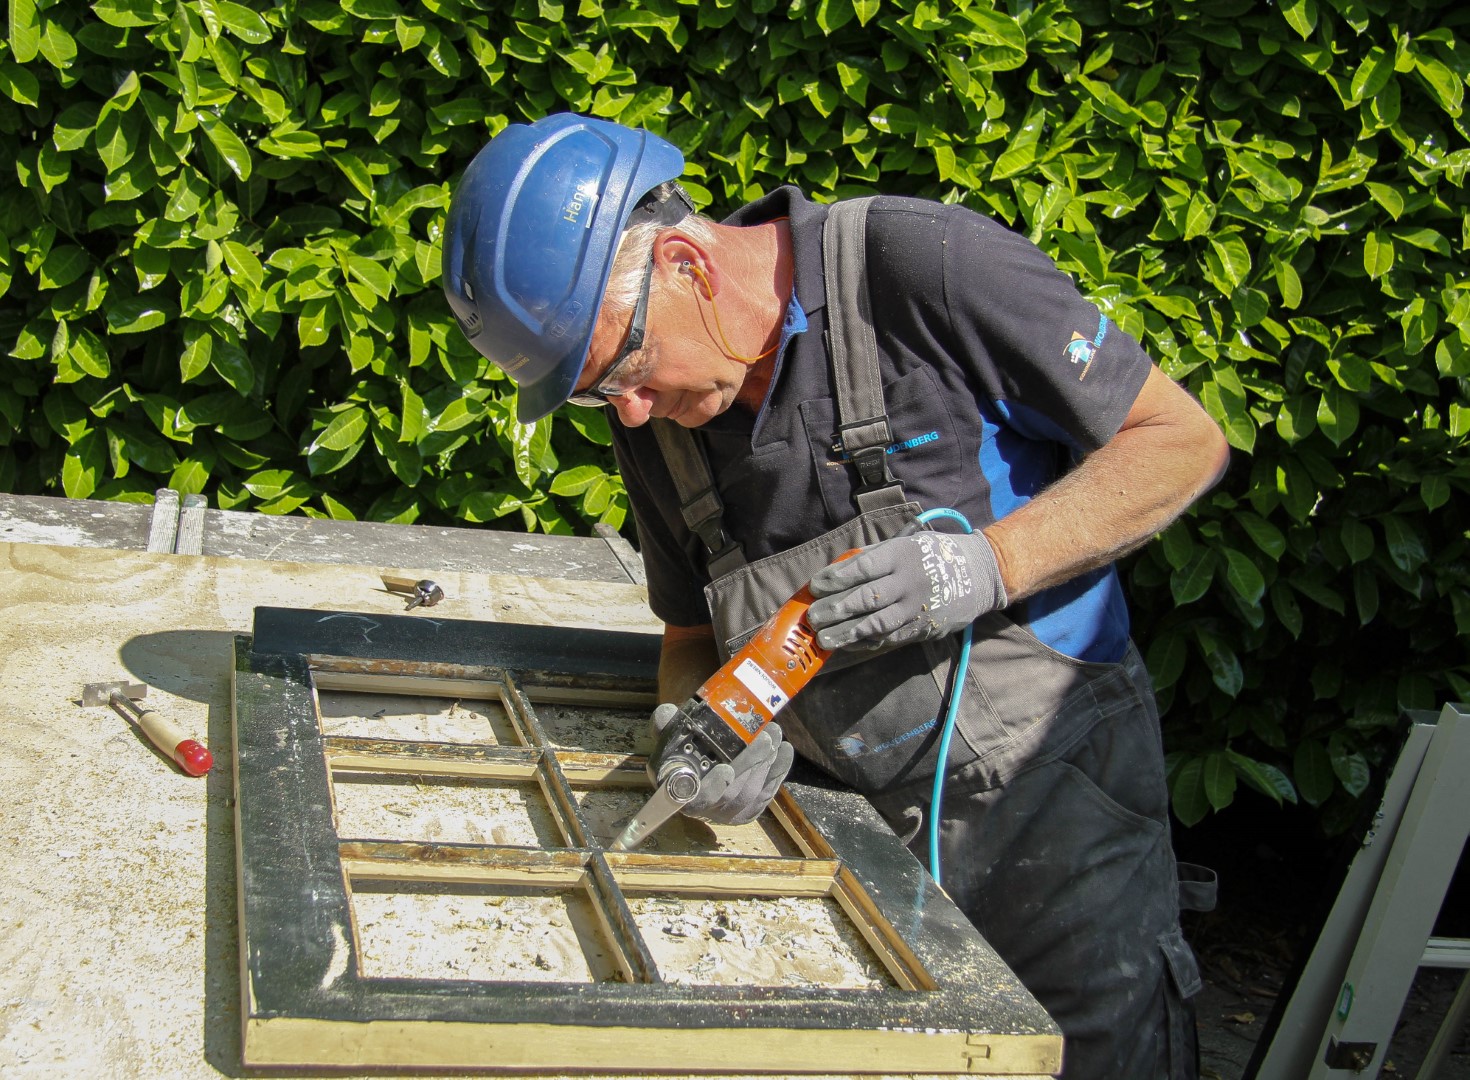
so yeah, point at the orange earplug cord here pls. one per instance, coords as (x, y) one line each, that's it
(729, 349)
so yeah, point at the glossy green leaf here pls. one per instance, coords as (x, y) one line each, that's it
(1265, 535)
(373, 9)
(832, 15)
(356, 172)
(1265, 778)
(1167, 656)
(1372, 75)
(1188, 797)
(1378, 253)
(84, 465)
(244, 23)
(1443, 82)
(1312, 771)
(1229, 261)
(1357, 539)
(138, 314)
(372, 274)
(1301, 16)
(402, 457)
(234, 152)
(1224, 664)
(575, 481)
(1322, 595)
(88, 352)
(24, 31)
(1199, 217)
(189, 477)
(1229, 409)
(1178, 545)
(270, 484)
(126, 13)
(1266, 177)
(346, 430)
(19, 84)
(316, 320)
(1219, 780)
(1434, 491)
(1365, 594)
(291, 144)
(488, 506)
(1287, 610)
(64, 264)
(1405, 544)
(1244, 576)
(233, 365)
(243, 264)
(1337, 414)
(194, 360)
(1348, 764)
(1190, 583)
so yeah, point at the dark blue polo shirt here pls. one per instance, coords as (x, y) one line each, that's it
(997, 375)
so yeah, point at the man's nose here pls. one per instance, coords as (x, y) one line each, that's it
(633, 408)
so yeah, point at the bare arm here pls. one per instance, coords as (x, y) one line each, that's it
(687, 658)
(1167, 454)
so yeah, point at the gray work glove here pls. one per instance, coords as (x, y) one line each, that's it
(905, 589)
(735, 793)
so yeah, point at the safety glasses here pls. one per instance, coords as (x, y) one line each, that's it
(621, 375)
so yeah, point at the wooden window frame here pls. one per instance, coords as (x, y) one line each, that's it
(954, 1007)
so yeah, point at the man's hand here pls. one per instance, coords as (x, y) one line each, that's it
(908, 588)
(735, 793)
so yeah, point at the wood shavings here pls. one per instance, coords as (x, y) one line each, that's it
(756, 941)
(435, 933)
(446, 810)
(608, 809)
(597, 730)
(417, 718)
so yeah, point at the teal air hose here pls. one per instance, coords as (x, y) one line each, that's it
(956, 692)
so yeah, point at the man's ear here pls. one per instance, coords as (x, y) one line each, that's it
(690, 262)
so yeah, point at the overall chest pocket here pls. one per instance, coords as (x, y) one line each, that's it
(924, 451)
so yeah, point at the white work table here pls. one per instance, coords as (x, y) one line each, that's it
(118, 909)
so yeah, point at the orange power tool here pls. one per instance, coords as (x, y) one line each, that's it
(730, 709)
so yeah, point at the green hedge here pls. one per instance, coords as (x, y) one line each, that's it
(219, 252)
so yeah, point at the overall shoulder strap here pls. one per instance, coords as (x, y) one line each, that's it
(862, 431)
(699, 500)
(862, 420)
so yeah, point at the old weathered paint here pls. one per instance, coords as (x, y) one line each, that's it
(307, 1003)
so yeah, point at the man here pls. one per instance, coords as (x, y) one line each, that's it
(990, 386)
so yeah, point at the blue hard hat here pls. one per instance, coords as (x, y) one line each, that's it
(529, 242)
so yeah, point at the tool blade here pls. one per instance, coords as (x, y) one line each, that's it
(100, 693)
(673, 793)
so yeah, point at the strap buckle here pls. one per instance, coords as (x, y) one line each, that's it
(865, 444)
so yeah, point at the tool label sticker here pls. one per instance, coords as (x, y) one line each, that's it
(761, 686)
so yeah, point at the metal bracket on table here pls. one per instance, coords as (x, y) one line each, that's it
(177, 526)
(622, 551)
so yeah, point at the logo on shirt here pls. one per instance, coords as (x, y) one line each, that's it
(1081, 351)
(853, 745)
(841, 454)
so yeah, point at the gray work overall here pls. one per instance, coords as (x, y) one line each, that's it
(1054, 833)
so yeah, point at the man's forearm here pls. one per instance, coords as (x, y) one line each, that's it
(687, 658)
(1168, 454)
